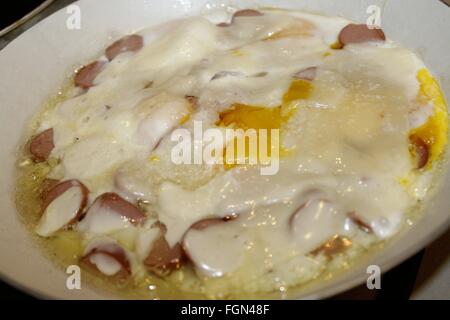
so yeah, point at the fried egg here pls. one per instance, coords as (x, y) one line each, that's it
(362, 125)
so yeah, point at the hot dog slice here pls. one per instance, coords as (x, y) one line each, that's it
(420, 151)
(132, 42)
(107, 257)
(316, 213)
(85, 77)
(42, 145)
(364, 226)
(308, 74)
(241, 13)
(162, 257)
(247, 13)
(359, 33)
(63, 205)
(213, 249)
(205, 223)
(110, 212)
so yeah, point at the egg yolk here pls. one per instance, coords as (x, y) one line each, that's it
(433, 132)
(298, 90)
(251, 117)
(241, 116)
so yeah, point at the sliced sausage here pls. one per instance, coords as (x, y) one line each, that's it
(114, 203)
(46, 186)
(308, 74)
(335, 245)
(205, 223)
(247, 13)
(420, 151)
(109, 258)
(110, 213)
(59, 188)
(85, 77)
(359, 33)
(62, 206)
(132, 43)
(316, 211)
(359, 222)
(42, 145)
(241, 13)
(162, 257)
(213, 250)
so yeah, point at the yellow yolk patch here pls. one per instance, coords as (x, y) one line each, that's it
(434, 132)
(185, 118)
(241, 116)
(191, 108)
(298, 90)
(336, 46)
(251, 117)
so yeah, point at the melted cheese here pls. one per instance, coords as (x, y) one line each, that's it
(345, 134)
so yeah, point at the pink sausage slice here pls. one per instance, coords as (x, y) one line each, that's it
(359, 33)
(115, 203)
(111, 250)
(205, 223)
(85, 77)
(420, 150)
(247, 13)
(241, 13)
(162, 257)
(128, 43)
(364, 226)
(58, 189)
(62, 206)
(42, 145)
(308, 74)
(46, 186)
(214, 252)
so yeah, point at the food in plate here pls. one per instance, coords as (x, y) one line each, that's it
(361, 124)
